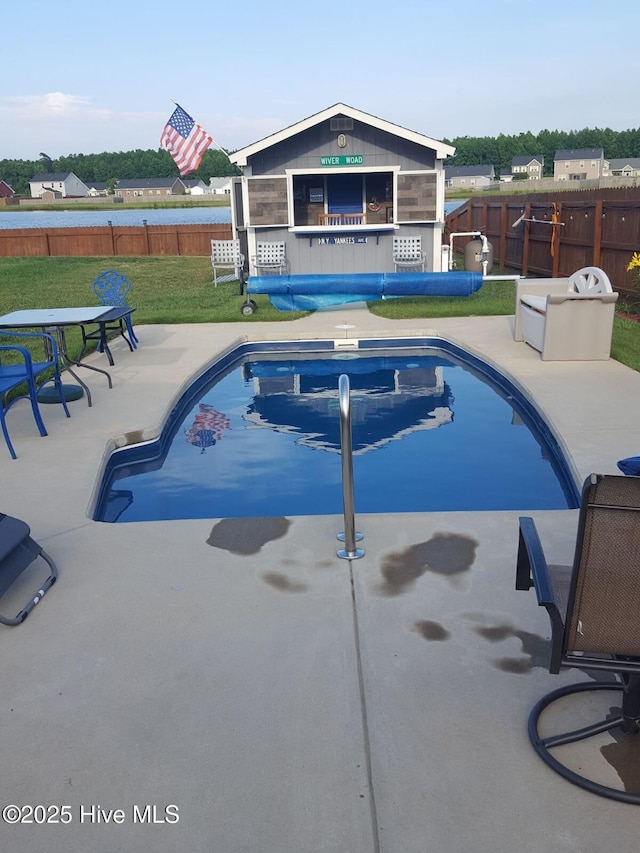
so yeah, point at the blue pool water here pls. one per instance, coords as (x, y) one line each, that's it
(259, 435)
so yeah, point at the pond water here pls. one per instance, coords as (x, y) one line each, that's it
(88, 218)
(154, 216)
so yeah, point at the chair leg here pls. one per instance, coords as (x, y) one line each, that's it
(33, 399)
(132, 335)
(5, 432)
(543, 746)
(39, 595)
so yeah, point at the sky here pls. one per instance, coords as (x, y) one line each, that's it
(81, 77)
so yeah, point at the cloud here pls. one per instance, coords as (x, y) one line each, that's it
(49, 105)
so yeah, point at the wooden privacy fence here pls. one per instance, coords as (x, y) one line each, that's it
(599, 228)
(104, 240)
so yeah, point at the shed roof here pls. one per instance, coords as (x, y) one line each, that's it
(241, 156)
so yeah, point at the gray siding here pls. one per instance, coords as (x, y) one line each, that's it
(309, 254)
(304, 150)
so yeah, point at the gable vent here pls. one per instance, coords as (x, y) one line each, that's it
(341, 123)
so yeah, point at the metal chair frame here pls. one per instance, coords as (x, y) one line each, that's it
(407, 252)
(270, 257)
(594, 609)
(23, 370)
(225, 256)
(111, 288)
(17, 551)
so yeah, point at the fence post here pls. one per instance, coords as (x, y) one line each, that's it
(502, 244)
(555, 261)
(525, 239)
(597, 233)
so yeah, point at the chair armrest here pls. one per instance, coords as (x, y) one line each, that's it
(535, 287)
(48, 340)
(531, 560)
(559, 298)
(24, 352)
(532, 570)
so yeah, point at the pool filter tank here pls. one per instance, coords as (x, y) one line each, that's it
(478, 256)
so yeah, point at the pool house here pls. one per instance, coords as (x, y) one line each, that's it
(333, 191)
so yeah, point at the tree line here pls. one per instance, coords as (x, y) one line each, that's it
(470, 151)
(111, 167)
(499, 150)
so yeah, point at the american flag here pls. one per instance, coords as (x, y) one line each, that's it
(185, 140)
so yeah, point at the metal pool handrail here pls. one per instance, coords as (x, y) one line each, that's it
(349, 552)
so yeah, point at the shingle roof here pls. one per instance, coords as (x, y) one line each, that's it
(622, 162)
(484, 171)
(525, 159)
(44, 177)
(146, 183)
(579, 154)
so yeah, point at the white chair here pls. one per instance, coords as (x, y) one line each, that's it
(270, 257)
(407, 252)
(567, 319)
(227, 260)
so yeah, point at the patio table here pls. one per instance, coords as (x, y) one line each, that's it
(56, 320)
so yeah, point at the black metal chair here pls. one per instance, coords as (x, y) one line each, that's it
(17, 551)
(594, 608)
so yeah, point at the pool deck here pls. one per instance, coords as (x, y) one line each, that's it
(284, 700)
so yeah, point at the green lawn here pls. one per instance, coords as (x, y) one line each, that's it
(179, 290)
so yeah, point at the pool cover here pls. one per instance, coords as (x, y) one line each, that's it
(310, 292)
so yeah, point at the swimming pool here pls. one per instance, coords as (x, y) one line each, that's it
(257, 434)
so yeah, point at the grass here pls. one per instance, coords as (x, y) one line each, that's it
(494, 297)
(179, 290)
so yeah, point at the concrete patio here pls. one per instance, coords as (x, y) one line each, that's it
(281, 699)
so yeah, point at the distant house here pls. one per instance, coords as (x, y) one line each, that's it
(528, 165)
(506, 176)
(628, 167)
(579, 165)
(196, 187)
(149, 187)
(220, 186)
(469, 177)
(57, 185)
(97, 188)
(5, 190)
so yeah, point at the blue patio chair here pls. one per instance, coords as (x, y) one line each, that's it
(111, 288)
(17, 368)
